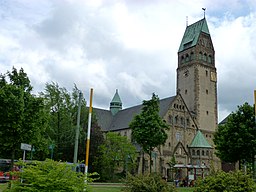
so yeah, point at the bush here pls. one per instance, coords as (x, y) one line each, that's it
(227, 182)
(47, 176)
(145, 183)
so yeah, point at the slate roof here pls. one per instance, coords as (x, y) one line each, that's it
(199, 141)
(192, 32)
(123, 118)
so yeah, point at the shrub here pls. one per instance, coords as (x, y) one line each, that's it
(145, 183)
(221, 181)
(47, 176)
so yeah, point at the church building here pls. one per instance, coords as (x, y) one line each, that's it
(191, 114)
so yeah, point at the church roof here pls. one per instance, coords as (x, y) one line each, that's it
(199, 141)
(116, 98)
(122, 119)
(192, 32)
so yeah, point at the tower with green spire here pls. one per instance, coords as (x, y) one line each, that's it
(116, 103)
(196, 75)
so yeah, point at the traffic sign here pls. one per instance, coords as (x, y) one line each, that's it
(25, 146)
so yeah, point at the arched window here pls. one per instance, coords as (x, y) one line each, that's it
(200, 56)
(182, 59)
(205, 57)
(182, 121)
(207, 153)
(192, 56)
(176, 119)
(188, 122)
(210, 59)
(193, 152)
(198, 152)
(187, 58)
(203, 153)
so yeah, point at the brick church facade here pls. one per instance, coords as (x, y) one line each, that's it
(191, 114)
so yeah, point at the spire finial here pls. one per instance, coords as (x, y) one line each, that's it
(186, 21)
(204, 11)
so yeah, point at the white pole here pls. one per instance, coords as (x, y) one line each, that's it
(88, 134)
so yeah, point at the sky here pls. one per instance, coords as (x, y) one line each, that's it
(129, 45)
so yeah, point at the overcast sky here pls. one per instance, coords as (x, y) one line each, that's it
(129, 45)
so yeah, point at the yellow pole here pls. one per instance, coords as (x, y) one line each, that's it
(88, 134)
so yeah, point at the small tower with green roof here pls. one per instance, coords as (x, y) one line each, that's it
(116, 103)
(200, 150)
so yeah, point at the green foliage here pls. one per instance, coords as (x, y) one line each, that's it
(117, 153)
(62, 108)
(23, 118)
(47, 176)
(96, 141)
(226, 182)
(148, 128)
(236, 139)
(147, 182)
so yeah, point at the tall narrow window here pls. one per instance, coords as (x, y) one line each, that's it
(210, 59)
(200, 56)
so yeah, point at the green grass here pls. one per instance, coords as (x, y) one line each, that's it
(185, 189)
(118, 189)
(109, 188)
(105, 189)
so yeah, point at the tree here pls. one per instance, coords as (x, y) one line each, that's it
(148, 128)
(22, 119)
(116, 152)
(96, 141)
(236, 139)
(62, 108)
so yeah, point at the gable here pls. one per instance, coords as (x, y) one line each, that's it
(180, 150)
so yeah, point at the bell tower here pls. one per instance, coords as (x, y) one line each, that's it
(196, 75)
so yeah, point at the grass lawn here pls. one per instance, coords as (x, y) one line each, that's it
(185, 189)
(105, 188)
(108, 188)
(118, 189)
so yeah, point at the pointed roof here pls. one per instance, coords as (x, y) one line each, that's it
(191, 35)
(199, 141)
(116, 98)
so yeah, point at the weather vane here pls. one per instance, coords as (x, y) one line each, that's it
(204, 11)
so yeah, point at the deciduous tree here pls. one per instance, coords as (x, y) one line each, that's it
(116, 152)
(236, 139)
(22, 118)
(148, 128)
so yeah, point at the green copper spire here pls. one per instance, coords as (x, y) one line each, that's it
(115, 104)
(191, 35)
(199, 141)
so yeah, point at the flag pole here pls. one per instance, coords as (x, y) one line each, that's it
(88, 134)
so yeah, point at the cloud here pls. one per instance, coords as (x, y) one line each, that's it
(127, 45)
